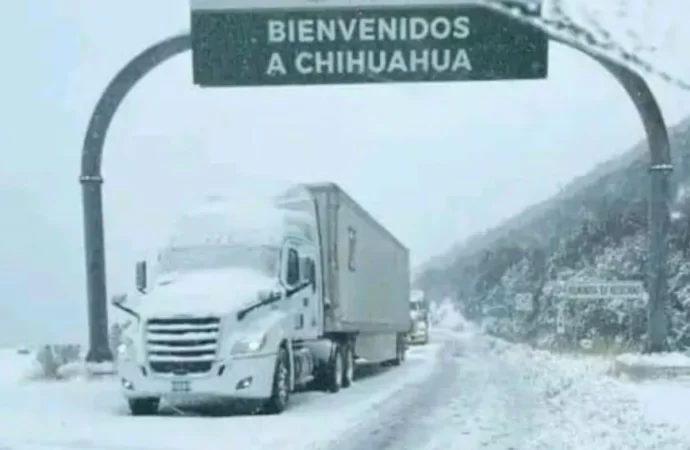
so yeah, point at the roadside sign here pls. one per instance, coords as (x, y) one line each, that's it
(599, 290)
(523, 302)
(302, 42)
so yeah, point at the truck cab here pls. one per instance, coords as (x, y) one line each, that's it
(229, 295)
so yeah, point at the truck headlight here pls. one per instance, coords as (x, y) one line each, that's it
(126, 350)
(249, 344)
(421, 326)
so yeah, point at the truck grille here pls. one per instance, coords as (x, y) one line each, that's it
(182, 345)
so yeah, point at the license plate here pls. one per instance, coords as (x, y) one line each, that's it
(180, 386)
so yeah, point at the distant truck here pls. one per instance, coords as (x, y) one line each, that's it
(253, 302)
(419, 318)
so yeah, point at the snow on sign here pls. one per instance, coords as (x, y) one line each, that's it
(292, 42)
(600, 290)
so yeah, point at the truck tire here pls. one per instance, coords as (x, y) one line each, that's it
(348, 364)
(144, 406)
(334, 370)
(280, 394)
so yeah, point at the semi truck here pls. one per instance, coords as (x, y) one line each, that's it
(252, 302)
(419, 318)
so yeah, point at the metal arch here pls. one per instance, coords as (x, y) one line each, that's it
(146, 61)
(91, 180)
(660, 167)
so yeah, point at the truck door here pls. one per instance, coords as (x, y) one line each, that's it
(302, 292)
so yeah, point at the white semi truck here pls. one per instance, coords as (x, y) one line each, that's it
(254, 301)
(419, 317)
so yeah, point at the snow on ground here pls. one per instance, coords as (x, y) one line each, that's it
(464, 391)
(666, 402)
(485, 393)
(581, 407)
(16, 367)
(656, 360)
(445, 317)
(91, 415)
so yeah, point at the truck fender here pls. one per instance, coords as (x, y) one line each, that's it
(274, 323)
(282, 340)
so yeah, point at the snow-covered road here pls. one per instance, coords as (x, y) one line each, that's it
(464, 391)
(487, 394)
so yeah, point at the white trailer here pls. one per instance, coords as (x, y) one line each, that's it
(252, 301)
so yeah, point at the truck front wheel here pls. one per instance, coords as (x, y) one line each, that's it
(280, 394)
(144, 406)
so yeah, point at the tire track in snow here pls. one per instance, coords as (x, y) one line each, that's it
(472, 399)
(391, 424)
(492, 407)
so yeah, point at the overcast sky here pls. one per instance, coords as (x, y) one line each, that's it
(434, 162)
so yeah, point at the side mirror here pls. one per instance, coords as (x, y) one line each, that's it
(141, 276)
(118, 300)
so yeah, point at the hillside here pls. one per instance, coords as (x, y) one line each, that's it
(595, 228)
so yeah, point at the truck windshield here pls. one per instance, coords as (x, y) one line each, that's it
(263, 259)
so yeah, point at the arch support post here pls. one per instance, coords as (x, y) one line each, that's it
(91, 185)
(658, 202)
(660, 169)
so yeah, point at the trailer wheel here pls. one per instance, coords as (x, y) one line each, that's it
(144, 406)
(349, 365)
(334, 371)
(280, 394)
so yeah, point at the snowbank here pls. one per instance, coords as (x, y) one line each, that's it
(16, 367)
(585, 408)
(656, 360)
(21, 365)
(446, 316)
(652, 366)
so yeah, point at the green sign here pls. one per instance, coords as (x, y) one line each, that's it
(254, 47)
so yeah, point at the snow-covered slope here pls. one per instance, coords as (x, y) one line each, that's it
(596, 229)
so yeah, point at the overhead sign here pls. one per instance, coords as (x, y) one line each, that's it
(599, 290)
(295, 42)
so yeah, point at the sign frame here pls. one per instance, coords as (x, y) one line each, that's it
(599, 290)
